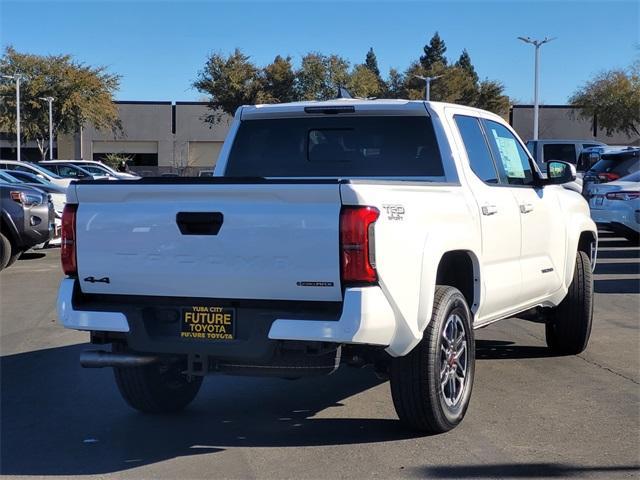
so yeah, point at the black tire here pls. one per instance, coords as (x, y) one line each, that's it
(157, 388)
(5, 251)
(416, 389)
(568, 327)
(15, 255)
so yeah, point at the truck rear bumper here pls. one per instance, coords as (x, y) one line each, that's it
(74, 319)
(366, 318)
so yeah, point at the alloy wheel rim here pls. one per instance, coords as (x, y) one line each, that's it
(453, 360)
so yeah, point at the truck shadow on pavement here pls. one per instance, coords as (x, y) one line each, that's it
(59, 419)
(524, 470)
(503, 349)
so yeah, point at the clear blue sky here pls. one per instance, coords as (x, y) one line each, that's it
(158, 47)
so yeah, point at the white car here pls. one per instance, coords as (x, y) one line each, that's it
(98, 168)
(35, 170)
(346, 231)
(616, 205)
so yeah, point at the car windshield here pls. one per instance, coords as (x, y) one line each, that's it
(68, 170)
(8, 178)
(29, 177)
(95, 169)
(350, 146)
(44, 171)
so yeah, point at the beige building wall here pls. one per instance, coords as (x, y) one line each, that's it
(563, 122)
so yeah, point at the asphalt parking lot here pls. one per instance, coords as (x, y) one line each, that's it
(532, 415)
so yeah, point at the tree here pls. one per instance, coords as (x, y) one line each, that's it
(491, 97)
(464, 62)
(395, 84)
(230, 81)
(320, 76)
(364, 83)
(82, 94)
(614, 98)
(278, 82)
(371, 62)
(433, 53)
(470, 91)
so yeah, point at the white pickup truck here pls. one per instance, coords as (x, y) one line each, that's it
(347, 231)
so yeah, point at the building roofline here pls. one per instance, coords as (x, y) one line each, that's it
(546, 106)
(140, 102)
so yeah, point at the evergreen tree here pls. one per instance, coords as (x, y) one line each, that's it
(434, 53)
(395, 84)
(464, 62)
(371, 62)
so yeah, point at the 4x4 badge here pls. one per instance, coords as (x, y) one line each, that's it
(97, 280)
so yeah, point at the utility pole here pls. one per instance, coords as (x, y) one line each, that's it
(536, 102)
(427, 80)
(17, 77)
(50, 101)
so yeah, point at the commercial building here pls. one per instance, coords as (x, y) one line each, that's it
(563, 122)
(161, 137)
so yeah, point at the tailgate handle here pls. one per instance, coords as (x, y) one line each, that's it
(199, 223)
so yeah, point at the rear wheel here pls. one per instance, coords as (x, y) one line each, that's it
(156, 388)
(5, 251)
(431, 385)
(568, 327)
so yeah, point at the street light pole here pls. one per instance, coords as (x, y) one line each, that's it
(50, 101)
(427, 80)
(17, 77)
(536, 102)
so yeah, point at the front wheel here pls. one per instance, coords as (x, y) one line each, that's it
(568, 327)
(157, 388)
(431, 385)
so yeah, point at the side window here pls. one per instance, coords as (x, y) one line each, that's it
(477, 149)
(560, 151)
(511, 157)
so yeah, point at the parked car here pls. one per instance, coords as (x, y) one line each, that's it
(545, 150)
(97, 168)
(26, 220)
(35, 169)
(616, 205)
(74, 172)
(353, 231)
(205, 173)
(612, 166)
(57, 194)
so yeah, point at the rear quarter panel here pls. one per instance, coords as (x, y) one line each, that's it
(418, 223)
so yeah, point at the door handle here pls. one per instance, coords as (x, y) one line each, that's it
(489, 209)
(526, 207)
(199, 223)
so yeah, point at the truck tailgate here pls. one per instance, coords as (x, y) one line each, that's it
(276, 241)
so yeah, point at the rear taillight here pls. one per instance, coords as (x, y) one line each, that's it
(623, 195)
(68, 240)
(357, 260)
(608, 176)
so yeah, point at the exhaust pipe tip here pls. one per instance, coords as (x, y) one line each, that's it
(101, 358)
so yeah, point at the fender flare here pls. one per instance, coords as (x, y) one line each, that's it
(409, 331)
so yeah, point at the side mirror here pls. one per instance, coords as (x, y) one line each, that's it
(559, 172)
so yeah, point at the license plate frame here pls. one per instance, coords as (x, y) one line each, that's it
(207, 322)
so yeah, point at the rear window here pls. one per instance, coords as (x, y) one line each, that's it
(622, 163)
(560, 151)
(336, 147)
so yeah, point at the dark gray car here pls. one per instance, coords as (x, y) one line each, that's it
(26, 219)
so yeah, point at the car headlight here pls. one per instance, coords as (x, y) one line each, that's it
(28, 199)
